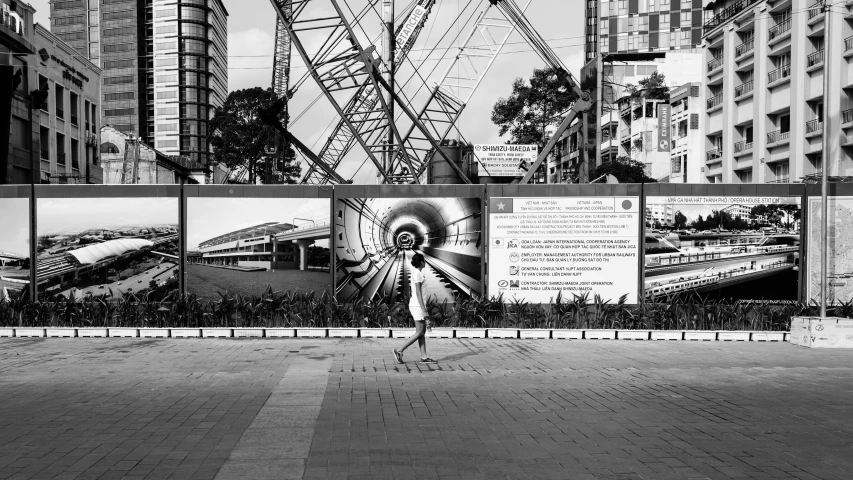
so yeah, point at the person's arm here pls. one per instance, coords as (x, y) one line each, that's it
(420, 294)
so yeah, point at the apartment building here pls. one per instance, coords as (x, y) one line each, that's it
(660, 214)
(165, 65)
(687, 110)
(765, 67)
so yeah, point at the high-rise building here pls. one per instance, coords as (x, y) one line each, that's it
(765, 69)
(165, 64)
(642, 26)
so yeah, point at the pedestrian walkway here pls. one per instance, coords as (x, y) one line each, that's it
(341, 408)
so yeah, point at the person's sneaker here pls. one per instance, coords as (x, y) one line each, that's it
(428, 360)
(398, 355)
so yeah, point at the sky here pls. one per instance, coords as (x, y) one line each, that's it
(14, 226)
(251, 33)
(74, 215)
(210, 217)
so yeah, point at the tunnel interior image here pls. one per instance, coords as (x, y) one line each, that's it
(377, 237)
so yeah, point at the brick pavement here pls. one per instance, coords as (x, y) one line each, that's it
(325, 408)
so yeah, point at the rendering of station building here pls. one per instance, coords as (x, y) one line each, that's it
(268, 246)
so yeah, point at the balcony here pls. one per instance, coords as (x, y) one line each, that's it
(725, 15)
(847, 116)
(848, 43)
(779, 74)
(625, 133)
(816, 9)
(715, 64)
(742, 146)
(713, 155)
(815, 58)
(715, 101)
(777, 136)
(744, 88)
(74, 120)
(60, 113)
(779, 29)
(780, 180)
(813, 126)
(744, 47)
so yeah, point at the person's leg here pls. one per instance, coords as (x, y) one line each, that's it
(422, 344)
(420, 328)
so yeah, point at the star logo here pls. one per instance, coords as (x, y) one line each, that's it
(501, 206)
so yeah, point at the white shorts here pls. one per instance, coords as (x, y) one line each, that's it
(417, 313)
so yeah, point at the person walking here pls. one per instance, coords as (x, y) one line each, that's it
(418, 311)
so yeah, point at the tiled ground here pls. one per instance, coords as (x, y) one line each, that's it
(231, 408)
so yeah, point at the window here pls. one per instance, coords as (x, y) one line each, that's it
(94, 20)
(94, 50)
(783, 60)
(167, 127)
(686, 21)
(166, 29)
(60, 101)
(94, 118)
(114, 32)
(686, 41)
(663, 21)
(603, 30)
(745, 176)
(167, 143)
(119, 47)
(75, 154)
(94, 34)
(674, 39)
(120, 64)
(109, 147)
(167, 78)
(193, 46)
(119, 15)
(644, 23)
(785, 123)
(167, 111)
(110, 97)
(663, 41)
(69, 20)
(165, 12)
(622, 42)
(67, 5)
(605, 44)
(118, 80)
(780, 171)
(199, 30)
(623, 7)
(686, 4)
(86, 112)
(73, 104)
(644, 42)
(42, 85)
(166, 45)
(167, 94)
(60, 148)
(44, 140)
(167, 62)
(71, 36)
(119, 112)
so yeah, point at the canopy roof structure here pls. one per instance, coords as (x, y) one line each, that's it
(95, 253)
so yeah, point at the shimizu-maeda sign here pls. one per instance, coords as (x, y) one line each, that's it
(504, 160)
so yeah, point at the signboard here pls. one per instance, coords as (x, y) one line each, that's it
(840, 246)
(409, 28)
(664, 134)
(575, 245)
(505, 160)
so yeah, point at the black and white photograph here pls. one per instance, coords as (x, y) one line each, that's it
(735, 248)
(377, 237)
(107, 246)
(14, 246)
(246, 246)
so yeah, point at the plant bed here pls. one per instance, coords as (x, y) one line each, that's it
(701, 336)
(343, 333)
(633, 334)
(535, 333)
(768, 336)
(596, 334)
(7, 332)
(502, 333)
(61, 332)
(124, 332)
(667, 335)
(733, 336)
(311, 332)
(186, 332)
(280, 332)
(154, 332)
(29, 332)
(567, 334)
(92, 332)
(440, 333)
(249, 332)
(402, 332)
(470, 333)
(217, 332)
(374, 332)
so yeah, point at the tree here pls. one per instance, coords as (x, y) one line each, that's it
(530, 109)
(240, 139)
(652, 87)
(680, 220)
(624, 169)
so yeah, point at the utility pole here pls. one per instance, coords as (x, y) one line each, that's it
(824, 161)
(389, 50)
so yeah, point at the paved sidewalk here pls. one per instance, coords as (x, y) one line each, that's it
(327, 408)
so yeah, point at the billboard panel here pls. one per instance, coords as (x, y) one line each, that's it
(504, 160)
(107, 246)
(14, 245)
(840, 250)
(377, 237)
(541, 246)
(246, 245)
(726, 247)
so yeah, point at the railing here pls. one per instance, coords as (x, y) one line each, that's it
(815, 58)
(74, 120)
(742, 146)
(726, 14)
(45, 155)
(814, 125)
(780, 180)
(625, 133)
(816, 9)
(715, 101)
(715, 63)
(848, 43)
(60, 113)
(847, 116)
(777, 136)
(714, 154)
(60, 158)
(75, 165)
(779, 29)
(779, 73)
(744, 47)
(744, 88)
(87, 126)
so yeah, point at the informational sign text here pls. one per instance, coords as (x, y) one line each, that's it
(504, 160)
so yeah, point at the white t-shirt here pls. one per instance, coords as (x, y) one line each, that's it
(417, 277)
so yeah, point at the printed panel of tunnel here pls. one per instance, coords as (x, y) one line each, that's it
(377, 237)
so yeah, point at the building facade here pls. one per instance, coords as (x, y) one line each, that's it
(765, 66)
(165, 65)
(68, 121)
(143, 165)
(687, 109)
(621, 27)
(19, 154)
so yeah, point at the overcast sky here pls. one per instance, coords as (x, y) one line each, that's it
(251, 33)
(14, 226)
(74, 215)
(210, 217)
